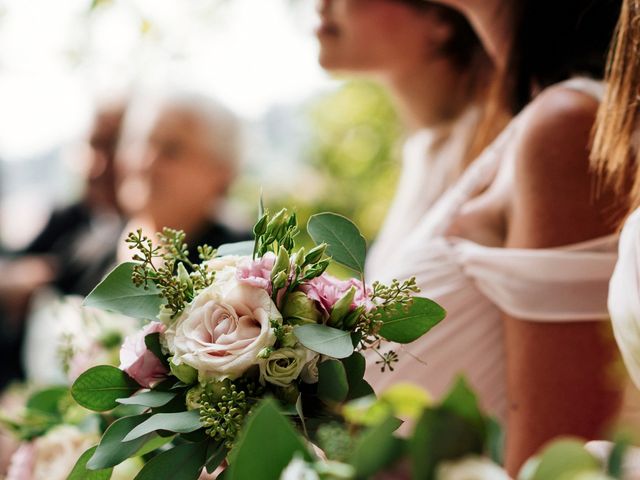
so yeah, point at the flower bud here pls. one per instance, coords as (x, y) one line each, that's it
(288, 338)
(193, 397)
(315, 254)
(265, 352)
(342, 308)
(216, 390)
(299, 257)
(276, 222)
(280, 281)
(183, 275)
(261, 226)
(299, 309)
(281, 264)
(183, 372)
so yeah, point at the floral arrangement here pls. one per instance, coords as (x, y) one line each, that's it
(50, 429)
(254, 320)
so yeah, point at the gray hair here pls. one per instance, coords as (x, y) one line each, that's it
(223, 128)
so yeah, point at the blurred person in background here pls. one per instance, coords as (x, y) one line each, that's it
(433, 64)
(179, 156)
(68, 254)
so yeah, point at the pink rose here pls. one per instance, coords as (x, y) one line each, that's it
(327, 290)
(139, 362)
(223, 330)
(22, 463)
(257, 273)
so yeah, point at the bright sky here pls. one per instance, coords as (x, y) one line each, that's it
(54, 56)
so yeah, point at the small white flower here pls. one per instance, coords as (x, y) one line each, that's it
(298, 469)
(471, 468)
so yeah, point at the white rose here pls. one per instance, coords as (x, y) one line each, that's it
(471, 468)
(298, 469)
(56, 453)
(222, 331)
(284, 366)
(224, 267)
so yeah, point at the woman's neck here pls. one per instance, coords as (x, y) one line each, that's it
(430, 95)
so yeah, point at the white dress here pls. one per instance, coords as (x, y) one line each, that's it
(476, 284)
(432, 159)
(624, 296)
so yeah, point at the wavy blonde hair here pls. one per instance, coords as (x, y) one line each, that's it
(614, 153)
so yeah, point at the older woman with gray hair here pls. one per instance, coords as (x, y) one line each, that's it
(178, 158)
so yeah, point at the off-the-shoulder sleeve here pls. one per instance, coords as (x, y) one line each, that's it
(624, 297)
(564, 284)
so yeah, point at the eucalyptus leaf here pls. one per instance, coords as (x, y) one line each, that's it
(151, 399)
(345, 243)
(462, 401)
(216, 454)
(563, 457)
(441, 435)
(179, 422)
(117, 293)
(325, 340)
(99, 387)
(48, 401)
(355, 366)
(333, 386)
(184, 462)
(112, 450)
(237, 248)
(376, 449)
(265, 446)
(405, 326)
(80, 471)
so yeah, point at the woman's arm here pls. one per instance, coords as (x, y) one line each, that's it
(560, 375)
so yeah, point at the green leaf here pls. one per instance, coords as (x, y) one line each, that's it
(152, 399)
(406, 326)
(562, 457)
(80, 471)
(117, 293)
(180, 422)
(112, 450)
(184, 462)
(495, 441)
(462, 401)
(48, 400)
(441, 435)
(615, 463)
(355, 366)
(152, 342)
(257, 459)
(99, 387)
(376, 449)
(215, 456)
(333, 386)
(325, 340)
(238, 248)
(345, 243)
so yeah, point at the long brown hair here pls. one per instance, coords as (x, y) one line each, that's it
(618, 118)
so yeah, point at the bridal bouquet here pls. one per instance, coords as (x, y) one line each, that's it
(251, 320)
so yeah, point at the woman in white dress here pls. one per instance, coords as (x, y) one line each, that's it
(617, 156)
(520, 250)
(433, 64)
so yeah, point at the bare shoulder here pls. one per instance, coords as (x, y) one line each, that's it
(554, 201)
